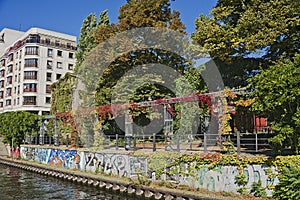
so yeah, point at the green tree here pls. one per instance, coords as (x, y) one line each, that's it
(239, 29)
(135, 14)
(16, 125)
(277, 95)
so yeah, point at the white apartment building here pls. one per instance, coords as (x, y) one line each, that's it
(29, 63)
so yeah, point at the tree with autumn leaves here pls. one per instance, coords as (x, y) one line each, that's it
(246, 38)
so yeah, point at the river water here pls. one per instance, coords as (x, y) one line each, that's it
(21, 184)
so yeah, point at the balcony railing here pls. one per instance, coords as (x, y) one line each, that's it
(29, 90)
(30, 65)
(29, 102)
(48, 91)
(31, 53)
(53, 44)
(30, 77)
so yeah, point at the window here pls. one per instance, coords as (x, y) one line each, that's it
(31, 50)
(1, 104)
(8, 102)
(32, 62)
(8, 91)
(29, 100)
(10, 57)
(48, 90)
(70, 55)
(2, 73)
(68, 45)
(2, 63)
(1, 84)
(70, 67)
(48, 40)
(18, 101)
(14, 102)
(30, 87)
(30, 75)
(9, 80)
(59, 53)
(1, 94)
(16, 78)
(49, 77)
(15, 90)
(48, 99)
(49, 64)
(59, 65)
(57, 42)
(20, 54)
(18, 90)
(50, 52)
(20, 67)
(10, 68)
(58, 76)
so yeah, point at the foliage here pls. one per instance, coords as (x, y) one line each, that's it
(189, 122)
(243, 35)
(15, 125)
(258, 190)
(240, 28)
(87, 40)
(62, 92)
(151, 13)
(277, 96)
(289, 184)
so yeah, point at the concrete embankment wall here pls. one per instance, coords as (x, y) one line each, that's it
(222, 178)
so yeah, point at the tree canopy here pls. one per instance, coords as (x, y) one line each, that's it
(277, 96)
(15, 125)
(239, 32)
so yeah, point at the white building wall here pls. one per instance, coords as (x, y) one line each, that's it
(19, 69)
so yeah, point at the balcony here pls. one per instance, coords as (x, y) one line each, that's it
(31, 53)
(29, 102)
(48, 91)
(30, 65)
(48, 43)
(30, 77)
(29, 90)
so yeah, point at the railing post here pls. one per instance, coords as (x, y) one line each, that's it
(238, 142)
(117, 141)
(154, 142)
(191, 141)
(256, 143)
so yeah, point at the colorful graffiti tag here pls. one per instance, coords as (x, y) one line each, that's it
(55, 157)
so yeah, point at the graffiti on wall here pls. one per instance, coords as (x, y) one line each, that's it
(55, 157)
(117, 164)
(223, 178)
(64, 158)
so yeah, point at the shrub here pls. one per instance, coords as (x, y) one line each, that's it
(289, 185)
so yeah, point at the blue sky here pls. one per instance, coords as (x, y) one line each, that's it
(66, 16)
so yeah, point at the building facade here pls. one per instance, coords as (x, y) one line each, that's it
(29, 63)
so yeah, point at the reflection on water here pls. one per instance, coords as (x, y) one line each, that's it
(20, 184)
